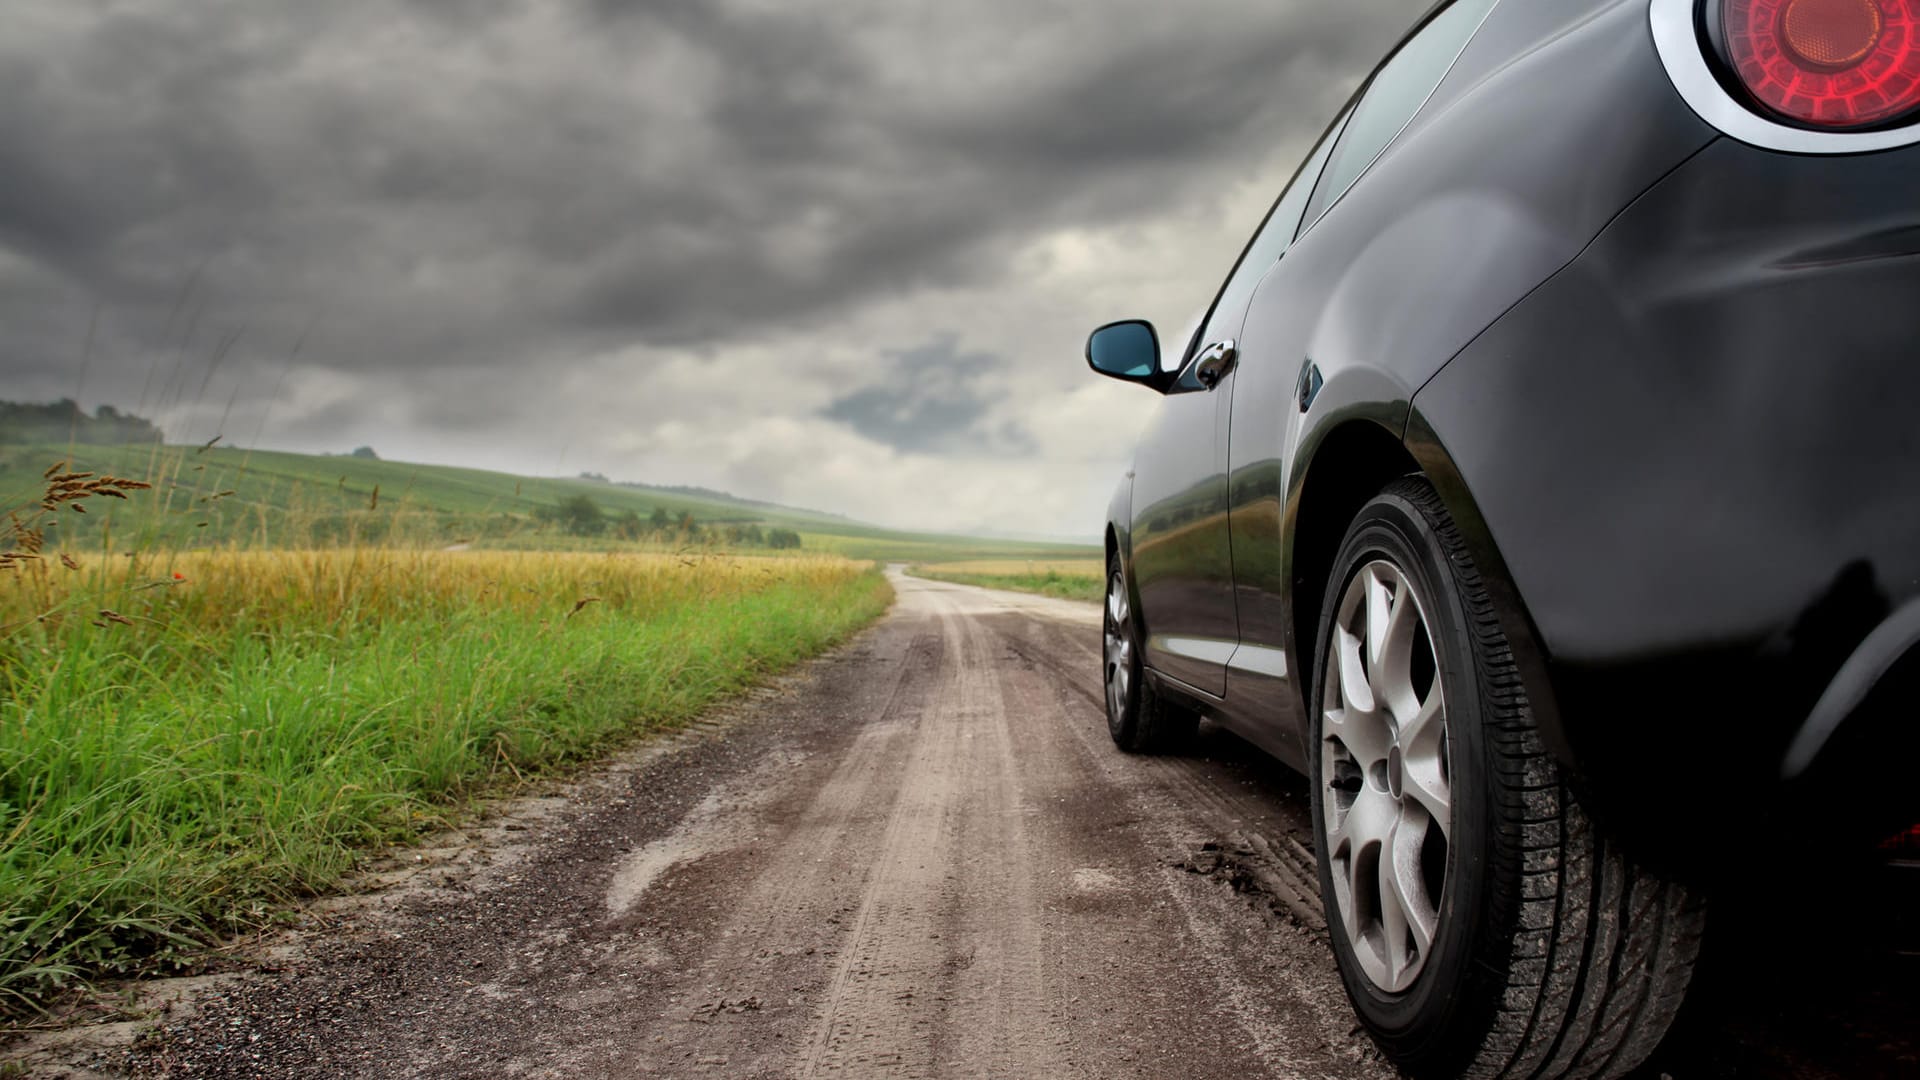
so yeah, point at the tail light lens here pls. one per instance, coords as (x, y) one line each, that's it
(1827, 63)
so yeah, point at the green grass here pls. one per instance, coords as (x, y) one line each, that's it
(931, 548)
(1072, 579)
(283, 500)
(189, 742)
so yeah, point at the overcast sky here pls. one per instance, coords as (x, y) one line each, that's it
(840, 253)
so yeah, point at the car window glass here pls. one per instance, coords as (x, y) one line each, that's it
(1271, 242)
(1174, 357)
(1395, 95)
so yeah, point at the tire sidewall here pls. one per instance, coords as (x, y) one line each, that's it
(1426, 1015)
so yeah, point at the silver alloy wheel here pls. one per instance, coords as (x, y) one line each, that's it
(1383, 757)
(1119, 635)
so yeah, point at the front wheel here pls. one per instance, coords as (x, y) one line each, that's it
(1481, 926)
(1139, 718)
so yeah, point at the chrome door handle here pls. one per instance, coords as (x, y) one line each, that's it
(1214, 362)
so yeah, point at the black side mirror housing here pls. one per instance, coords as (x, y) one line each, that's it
(1128, 350)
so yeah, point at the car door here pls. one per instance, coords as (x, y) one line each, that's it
(1182, 552)
(1182, 573)
(1280, 375)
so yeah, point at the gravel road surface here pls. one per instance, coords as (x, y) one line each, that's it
(920, 857)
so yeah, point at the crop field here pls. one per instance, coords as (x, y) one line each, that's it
(1068, 579)
(190, 739)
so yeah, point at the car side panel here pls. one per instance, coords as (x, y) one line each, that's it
(1508, 172)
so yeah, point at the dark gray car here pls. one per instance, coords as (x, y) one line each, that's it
(1542, 483)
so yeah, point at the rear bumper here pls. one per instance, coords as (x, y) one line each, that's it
(1694, 456)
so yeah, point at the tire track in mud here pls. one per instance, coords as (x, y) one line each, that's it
(1263, 827)
(897, 989)
(1234, 815)
(874, 1016)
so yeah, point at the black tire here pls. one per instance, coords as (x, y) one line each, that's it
(1553, 954)
(1140, 718)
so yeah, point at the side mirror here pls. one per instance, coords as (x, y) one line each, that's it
(1128, 351)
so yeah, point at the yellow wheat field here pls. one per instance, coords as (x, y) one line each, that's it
(320, 588)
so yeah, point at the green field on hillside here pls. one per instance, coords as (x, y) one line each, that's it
(272, 499)
(1066, 579)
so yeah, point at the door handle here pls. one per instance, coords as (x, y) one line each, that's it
(1214, 362)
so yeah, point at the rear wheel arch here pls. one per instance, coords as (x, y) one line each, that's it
(1351, 464)
(1530, 654)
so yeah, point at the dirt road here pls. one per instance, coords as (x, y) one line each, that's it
(922, 857)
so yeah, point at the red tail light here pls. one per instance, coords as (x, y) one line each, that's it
(1827, 63)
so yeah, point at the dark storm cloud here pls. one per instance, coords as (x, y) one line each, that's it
(931, 397)
(464, 198)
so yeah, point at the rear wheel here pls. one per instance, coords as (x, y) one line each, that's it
(1139, 718)
(1480, 924)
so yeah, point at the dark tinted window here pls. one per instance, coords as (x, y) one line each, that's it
(1268, 245)
(1395, 95)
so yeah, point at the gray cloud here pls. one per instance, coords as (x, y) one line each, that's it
(927, 398)
(463, 199)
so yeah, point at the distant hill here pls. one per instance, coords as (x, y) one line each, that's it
(65, 421)
(721, 496)
(273, 498)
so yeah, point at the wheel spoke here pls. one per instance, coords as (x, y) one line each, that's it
(1422, 726)
(1369, 822)
(1380, 596)
(1393, 916)
(1363, 734)
(1355, 856)
(1423, 759)
(1404, 891)
(1355, 694)
(1431, 795)
(1392, 667)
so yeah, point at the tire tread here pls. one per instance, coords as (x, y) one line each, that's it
(1601, 951)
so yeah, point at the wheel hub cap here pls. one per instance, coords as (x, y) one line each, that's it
(1388, 803)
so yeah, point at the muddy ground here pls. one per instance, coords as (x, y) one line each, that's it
(919, 857)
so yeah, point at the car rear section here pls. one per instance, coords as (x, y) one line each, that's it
(1693, 454)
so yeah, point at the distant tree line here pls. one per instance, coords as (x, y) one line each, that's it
(579, 515)
(65, 419)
